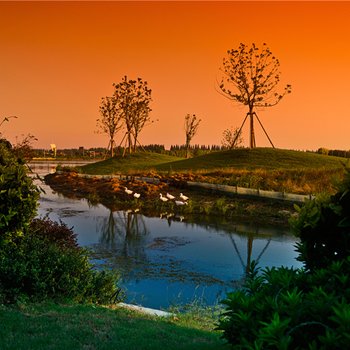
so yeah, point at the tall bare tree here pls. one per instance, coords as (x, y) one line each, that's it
(133, 98)
(110, 121)
(191, 128)
(251, 77)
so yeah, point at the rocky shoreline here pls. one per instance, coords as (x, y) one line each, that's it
(111, 193)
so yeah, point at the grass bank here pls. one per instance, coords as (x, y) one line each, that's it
(263, 168)
(241, 158)
(143, 161)
(255, 158)
(51, 326)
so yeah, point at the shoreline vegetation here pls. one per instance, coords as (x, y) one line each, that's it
(111, 193)
(263, 168)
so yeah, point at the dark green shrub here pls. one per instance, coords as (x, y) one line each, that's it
(290, 309)
(40, 259)
(300, 309)
(37, 269)
(323, 226)
(18, 195)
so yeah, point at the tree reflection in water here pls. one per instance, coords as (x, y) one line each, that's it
(144, 250)
(123, 235)
(250, 239)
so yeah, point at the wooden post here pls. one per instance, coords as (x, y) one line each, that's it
(264, 130)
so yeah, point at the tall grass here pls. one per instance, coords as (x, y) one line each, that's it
(302, 181)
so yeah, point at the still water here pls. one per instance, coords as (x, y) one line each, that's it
(170, 259)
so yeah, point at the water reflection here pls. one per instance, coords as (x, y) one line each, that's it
(171, 258)
(123, 228)
(122, 240)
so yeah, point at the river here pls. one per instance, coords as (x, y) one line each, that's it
(170, 259)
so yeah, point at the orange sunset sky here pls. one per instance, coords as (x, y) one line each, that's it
(58, 59)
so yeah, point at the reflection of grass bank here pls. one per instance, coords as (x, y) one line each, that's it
(111, 193)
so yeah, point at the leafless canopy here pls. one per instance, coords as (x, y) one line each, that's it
(110, 121)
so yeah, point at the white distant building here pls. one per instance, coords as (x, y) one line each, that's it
(53, 149)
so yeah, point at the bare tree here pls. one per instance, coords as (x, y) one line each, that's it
(6, 119)
(133, 98)
(251, 77)
(110, 121)
(232, 138)
(191, 127)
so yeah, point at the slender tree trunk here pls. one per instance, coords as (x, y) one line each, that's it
(111, 143)
(129, 142)
(252, 135)
(187, 148)
(135, 142)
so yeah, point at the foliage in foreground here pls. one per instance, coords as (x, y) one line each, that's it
(52, 326)
(18, 195)
(300, 309)
(290, 309)
(323, 226)
(35, 267)
(40, 259)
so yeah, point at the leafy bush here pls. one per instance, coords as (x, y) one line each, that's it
(39, 266)
(54, 232)
(300, 309)
(18, 195)
(323, 226)
(40, 259)
(290, 309)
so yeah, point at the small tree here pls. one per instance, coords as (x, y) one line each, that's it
(23, 149)
(232, 138)
(251, 77)
(133, 98)
(191, 127)
(110, 121)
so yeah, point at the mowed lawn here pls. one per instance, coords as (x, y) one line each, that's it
(141, 161)
(52, 326)
(242, 158)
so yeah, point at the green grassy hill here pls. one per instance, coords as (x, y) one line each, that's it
(257, 158)
(133, 162)
(249, 159)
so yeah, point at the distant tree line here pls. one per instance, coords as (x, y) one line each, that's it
(334, 152)
(102, 152)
